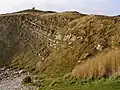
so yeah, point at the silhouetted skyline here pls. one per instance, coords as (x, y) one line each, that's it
(105, 7)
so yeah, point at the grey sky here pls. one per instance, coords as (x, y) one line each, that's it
(107, 7)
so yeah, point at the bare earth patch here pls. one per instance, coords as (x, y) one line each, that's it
(11, 80)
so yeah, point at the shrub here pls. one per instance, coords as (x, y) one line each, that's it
(27, 79)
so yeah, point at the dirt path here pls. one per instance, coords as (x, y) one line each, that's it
(11, 80)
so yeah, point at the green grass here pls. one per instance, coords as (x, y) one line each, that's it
(59, 83)
(97, 85)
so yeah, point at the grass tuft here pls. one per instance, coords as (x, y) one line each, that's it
(103, 65)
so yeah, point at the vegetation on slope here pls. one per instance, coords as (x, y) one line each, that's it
(103, 65)
(52, 44)
(83, 38)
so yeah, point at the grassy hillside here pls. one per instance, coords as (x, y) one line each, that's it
(55, 44)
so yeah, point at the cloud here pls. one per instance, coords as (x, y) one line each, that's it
(108, 7)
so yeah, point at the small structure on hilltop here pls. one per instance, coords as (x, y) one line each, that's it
(33, 8)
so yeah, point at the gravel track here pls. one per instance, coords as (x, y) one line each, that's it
(11, 80)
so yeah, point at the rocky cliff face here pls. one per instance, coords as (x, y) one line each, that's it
(51, 42)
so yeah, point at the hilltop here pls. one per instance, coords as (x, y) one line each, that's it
(53, 43)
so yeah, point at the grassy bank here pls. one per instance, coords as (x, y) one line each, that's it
(60, 83)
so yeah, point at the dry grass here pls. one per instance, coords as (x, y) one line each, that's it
(103, 65)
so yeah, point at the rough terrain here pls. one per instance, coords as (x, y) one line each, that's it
(12, 80)
(51, 44)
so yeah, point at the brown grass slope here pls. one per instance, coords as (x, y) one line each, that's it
(53, 43)
(26, 36)
(90, 32)
(103, 65)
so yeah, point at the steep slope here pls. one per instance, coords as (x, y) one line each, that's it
(53, 43)
(83, 38)
(27, 38)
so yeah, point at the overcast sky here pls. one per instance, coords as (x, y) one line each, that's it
(107, 7)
